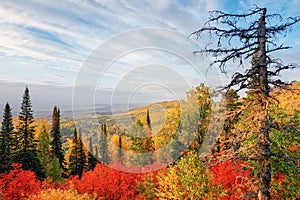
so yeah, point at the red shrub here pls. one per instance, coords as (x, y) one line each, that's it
(107, 183)
(232, 177)
(18, 184)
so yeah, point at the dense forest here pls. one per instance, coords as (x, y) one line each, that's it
(236, 146)
(47, 160)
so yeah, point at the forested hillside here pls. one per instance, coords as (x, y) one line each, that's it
(240, 140)
(83, 173)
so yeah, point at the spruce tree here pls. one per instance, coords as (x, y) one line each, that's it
(97, 153)
(148, 120)
(55, 172)
(92, 160)
(56, 143)
(6, 140)
(27, 153)
(104, 146)
(81, 156)
(77, 159)
(120, 150)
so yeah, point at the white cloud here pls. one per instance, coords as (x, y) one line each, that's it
(56, 37)
(55, 76)
(75, 27)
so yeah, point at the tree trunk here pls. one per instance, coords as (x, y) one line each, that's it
(264, 176)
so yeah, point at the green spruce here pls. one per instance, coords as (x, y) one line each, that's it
(6, 140)
(77, 159)
(56, 143)
(105, 158)
(92, 160)
(27, 153)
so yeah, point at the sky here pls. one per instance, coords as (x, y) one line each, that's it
(76, 52)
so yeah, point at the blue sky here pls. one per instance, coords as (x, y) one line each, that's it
(44, 44)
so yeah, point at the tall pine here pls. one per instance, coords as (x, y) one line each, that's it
(120, 145)
(105, 158)
(148, 120)
(27, 153)
(77, 159)
(6, 140)
(92, 160)
(56, 143)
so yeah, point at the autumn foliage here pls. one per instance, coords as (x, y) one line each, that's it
(219, 175)
(225, 180)
(107, 183)
(18, 184)
(233, 176)
(61, 194)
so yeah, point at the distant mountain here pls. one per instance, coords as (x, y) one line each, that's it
(105, 109)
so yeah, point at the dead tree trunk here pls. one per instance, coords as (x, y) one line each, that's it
(264, 176)
(258, 79)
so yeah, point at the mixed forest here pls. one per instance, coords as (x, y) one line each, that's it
(234, 147)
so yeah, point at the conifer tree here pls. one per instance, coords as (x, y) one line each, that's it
(43, 144)
(148, 120)
(92, 160)
(104, 146)
(55, 171)
(27, 153)
(81, 156)
(6, 140)
(120, 150)
(97, 153)
(77, 159)
(56, 143)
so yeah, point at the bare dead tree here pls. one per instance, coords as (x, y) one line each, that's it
(238, 40)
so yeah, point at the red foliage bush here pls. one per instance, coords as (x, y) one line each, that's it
(107, 183)
(18, 184)
(232, 176)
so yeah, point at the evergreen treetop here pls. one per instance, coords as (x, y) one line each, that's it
(6, 140)
(56, 143)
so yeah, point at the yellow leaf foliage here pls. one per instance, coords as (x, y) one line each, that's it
(58, 194)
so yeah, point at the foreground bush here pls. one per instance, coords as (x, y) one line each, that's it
(107, 183)
(18, 184)
(188, 179)
(233, 176)
(58, 194)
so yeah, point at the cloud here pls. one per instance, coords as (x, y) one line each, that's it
(52, 39)
(64, 34)
(56, 76)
